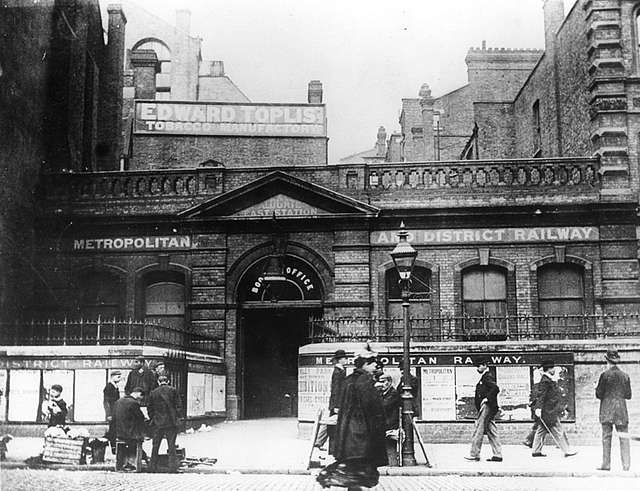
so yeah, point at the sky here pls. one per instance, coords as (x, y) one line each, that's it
(369, 54)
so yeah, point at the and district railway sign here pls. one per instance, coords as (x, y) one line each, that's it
(490, 235)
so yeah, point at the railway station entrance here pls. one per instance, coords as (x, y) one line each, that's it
(274, 323)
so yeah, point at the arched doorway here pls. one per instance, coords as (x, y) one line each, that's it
(273, 321)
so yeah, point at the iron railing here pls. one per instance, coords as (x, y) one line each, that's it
(465, 328)
(105, 332)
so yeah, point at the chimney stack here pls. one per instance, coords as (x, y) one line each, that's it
(111, 81)
(381, 143)
(426, 107)
(553, 18)
(217, 68)
(314, 95)
(145, 66)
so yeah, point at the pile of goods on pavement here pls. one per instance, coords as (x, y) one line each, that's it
(67, 445)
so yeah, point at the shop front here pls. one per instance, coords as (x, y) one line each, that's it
(28, 372)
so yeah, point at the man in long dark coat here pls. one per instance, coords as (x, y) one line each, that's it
(128, 418)
(614, 388)
(129, 424)
(548, 408)
(486, 402)
(360, 435)
(337, 388)
(164, 410)
(110, 394)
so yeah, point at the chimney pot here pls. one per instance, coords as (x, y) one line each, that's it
(217, 68)
(314, 93)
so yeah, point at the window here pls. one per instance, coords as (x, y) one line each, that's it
(561, 290)
(484, 295)
(420, 293)
(484, 292)
(536, 130)
(101, 294)
(420, 284)
(164, 299)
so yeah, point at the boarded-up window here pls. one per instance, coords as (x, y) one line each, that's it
(561, 290)
(164, 303)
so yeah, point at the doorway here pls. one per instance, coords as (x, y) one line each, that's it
(271, 338)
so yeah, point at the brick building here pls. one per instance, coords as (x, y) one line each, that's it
(225, 223)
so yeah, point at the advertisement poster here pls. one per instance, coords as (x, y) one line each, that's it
(63, 378)
(314, 388)
(208, 388)
(515, 386)
(24, 387)
(466, 380)
(89, 397)
(219, 393)
(438, 394)
(195, 394)
(3, 394)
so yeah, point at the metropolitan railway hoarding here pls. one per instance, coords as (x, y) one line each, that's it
(209, 119)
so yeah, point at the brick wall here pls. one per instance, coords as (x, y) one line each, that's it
(496, 131)
(188, 151)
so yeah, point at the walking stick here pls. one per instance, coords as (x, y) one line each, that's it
(400, 437)
(549, 431)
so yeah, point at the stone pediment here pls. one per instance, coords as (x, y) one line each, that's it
(281, 205)
(282, 195)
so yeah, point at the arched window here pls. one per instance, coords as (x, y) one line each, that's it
(163, 78)
(484, 291)
(420, 289)
(561, 289)
(164, 298)
(101, 294)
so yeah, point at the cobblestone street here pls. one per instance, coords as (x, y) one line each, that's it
(33, 480)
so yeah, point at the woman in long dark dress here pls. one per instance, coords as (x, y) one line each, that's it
(360, 432)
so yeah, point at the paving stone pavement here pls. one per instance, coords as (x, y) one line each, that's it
(35, 480)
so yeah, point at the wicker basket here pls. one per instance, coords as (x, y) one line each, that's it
(63, 450)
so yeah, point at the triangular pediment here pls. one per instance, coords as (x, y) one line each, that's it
(281, 205)
(282, 195)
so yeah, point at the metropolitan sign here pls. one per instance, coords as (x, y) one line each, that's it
(209, 119)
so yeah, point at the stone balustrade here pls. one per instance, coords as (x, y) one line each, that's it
(469, 177)
(134, 184)
(477, 175)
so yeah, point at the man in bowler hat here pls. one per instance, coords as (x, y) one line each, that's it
(614, 388)
(548, 407)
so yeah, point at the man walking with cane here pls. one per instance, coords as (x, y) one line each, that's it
(614, 388)
(548, 408)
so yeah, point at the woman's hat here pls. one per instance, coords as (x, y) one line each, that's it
(612, 356)
(339, 354)
(366, 353)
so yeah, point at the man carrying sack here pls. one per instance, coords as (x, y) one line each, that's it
(164, 407)
(614, 388)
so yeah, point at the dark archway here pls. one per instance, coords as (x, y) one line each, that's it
(273, 324)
